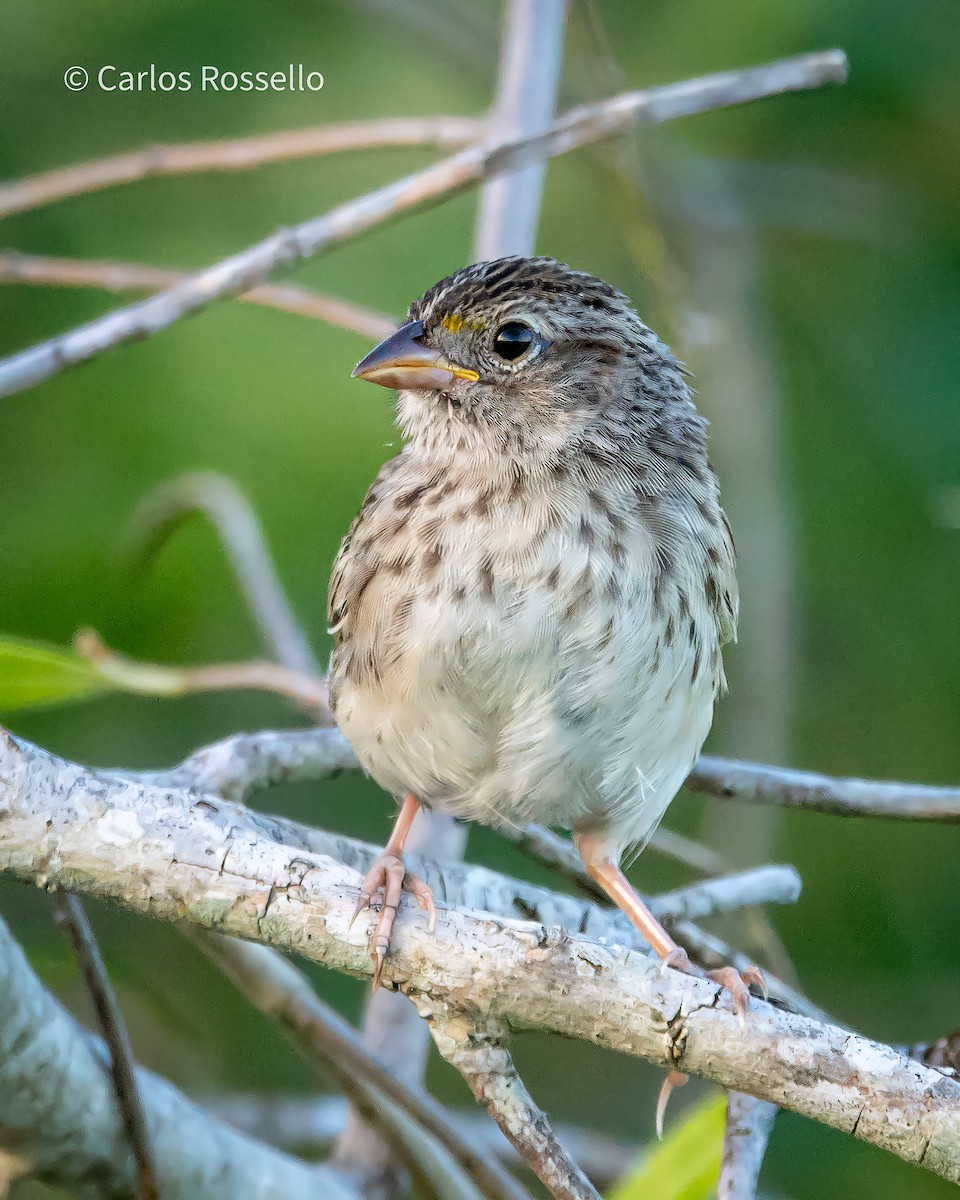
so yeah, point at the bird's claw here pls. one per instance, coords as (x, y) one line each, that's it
(388, 875)
(673, 1080)
(677, 960)
(737, 984)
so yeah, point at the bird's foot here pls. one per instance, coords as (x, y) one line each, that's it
(389, 876)
(736, 982)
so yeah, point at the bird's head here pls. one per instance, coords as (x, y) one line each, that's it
(519, 356)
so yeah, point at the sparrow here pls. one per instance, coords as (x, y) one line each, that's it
(530, 607)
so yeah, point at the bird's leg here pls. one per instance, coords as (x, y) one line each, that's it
(389, 874)
(595, 852)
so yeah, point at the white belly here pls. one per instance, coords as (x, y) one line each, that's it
(559, 693)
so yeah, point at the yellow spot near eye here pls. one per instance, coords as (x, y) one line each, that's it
(454, 322)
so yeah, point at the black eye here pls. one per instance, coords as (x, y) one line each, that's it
(512, 340)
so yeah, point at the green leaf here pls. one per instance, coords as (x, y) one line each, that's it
(686, 1164)
(34, 675)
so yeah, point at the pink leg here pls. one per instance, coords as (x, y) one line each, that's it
(388, 873)
(594, 850)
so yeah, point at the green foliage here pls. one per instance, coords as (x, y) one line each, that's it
(35, 675)
(685, 1165)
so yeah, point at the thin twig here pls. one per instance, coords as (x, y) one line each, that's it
(559, 852)
(71, 914)
(234, 154)
(479, 1052)
(230, 513)
(729, 893)
(757, 783)
(242, 271)
(278, 988)
(114, 276)
(150, 679)
(749, 1125)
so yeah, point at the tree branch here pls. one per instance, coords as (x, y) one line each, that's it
(756, 783)
(179, 855)
(234, 154)
(71, 914)
(151, 679)
(58, 1114)
(749, 1125)
(463, 170)
(114, 276)
(479, 1052)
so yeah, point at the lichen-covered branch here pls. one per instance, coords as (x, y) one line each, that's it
(58, 1113)
(239, 273)
(184, 856)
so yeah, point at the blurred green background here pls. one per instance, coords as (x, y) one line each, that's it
(802, 253)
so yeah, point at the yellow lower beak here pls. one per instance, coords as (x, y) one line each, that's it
(402, 361)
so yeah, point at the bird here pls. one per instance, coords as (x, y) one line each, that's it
(530, 607)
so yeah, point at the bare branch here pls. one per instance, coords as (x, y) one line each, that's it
(59, 1117)
(531, 47)
(466, 169)
(228, 510)
(559, 852)
(150, 679)
(71, 914)
(114, 276)
(479, 1052)
(234, 154)
(279, 989)
(756, 783)
(177, 855)
(310, 1125)
(729, 893)
(749, 1124)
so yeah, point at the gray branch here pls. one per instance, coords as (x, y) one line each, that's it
(178, 855)
(749, 1125)
(756, 783)
(530, 55)
(58, 1114)
(479, 1052)
(239, 273)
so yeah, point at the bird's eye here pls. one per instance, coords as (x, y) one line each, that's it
(512, 340)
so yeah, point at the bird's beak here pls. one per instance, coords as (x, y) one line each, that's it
(402, 361)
